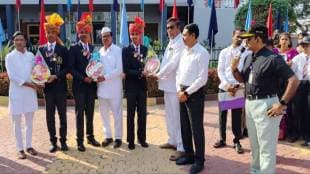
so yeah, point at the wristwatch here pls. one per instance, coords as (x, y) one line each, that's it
(283, 102)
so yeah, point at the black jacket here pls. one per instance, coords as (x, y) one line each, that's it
(58, 65)
(78, 63)
(133, 68)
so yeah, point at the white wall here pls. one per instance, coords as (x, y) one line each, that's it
(225, 22)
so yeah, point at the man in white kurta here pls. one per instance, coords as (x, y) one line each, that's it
(22, 93)
(110, 89)
(167, 82)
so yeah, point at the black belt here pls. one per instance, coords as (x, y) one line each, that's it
(257, 97)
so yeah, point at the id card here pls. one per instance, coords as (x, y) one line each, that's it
(250, 81)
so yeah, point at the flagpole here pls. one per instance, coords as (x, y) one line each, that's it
(69, 27)
(211, 50)
(18, 19)
(188, 10)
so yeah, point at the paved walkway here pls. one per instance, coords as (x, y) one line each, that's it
(291, 157)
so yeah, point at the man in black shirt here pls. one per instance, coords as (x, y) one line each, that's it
(261, 73)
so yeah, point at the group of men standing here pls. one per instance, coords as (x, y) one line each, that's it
(183, 74)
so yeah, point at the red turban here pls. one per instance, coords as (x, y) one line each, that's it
(137, 26)
(85, 23)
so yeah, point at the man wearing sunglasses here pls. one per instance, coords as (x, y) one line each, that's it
(166, 82)
(264, 109)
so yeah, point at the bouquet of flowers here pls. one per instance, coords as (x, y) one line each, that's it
(40, 72)
(152, 64)
(94, 68)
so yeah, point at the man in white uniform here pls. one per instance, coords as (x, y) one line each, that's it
(110, 89)
(22, 92)
(167, 82)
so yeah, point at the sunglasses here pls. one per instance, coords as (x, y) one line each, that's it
(170, 27)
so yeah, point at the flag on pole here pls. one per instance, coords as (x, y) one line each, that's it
(236, 3)
(189, 2)
(248, 18)
(213, 29)
(18, 4)
(42, 36)
(91, 5)
(286, 26)
(174, 10)
(210, 3)
(69, 4)
(142, 5)
(269, 23)
(161, 5)
(115, 5)
(124, 37)
(2, 35)
(78, 10)
(278, 20)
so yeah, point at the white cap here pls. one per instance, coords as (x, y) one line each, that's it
(105, 30)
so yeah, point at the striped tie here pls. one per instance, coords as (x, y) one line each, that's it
(305, 69)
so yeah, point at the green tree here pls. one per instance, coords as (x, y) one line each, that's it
(260, 12)
(302, 10)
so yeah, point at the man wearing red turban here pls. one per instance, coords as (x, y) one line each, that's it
(84, 88)
(134, 57)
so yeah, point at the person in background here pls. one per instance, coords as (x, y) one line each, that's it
(287, 52)
(300, 36)
(301, 102)
(23, 99)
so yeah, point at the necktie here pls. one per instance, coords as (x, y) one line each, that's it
(85, 47)
(50, 48)
(137, 49)
(305, 69)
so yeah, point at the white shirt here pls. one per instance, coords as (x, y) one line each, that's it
(19, 66)
(51, 45)
(298, 64)
(113, 69)
(167, 74)
(193, 68)
(224, 70)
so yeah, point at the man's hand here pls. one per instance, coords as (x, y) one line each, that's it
(88, 80)
(33, 85)
(289, 63)
(153, 76)
(182, 97)
(51, 78)
(144, 73)
(234, 63)
(276, 110)
(100, 79)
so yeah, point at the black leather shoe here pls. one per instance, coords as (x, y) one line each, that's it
(196, 168)
(93, 142)
(292, 139)
(238, 148)
(245, 132)
(64, 147)
(53, 148)
(144, 144)
(131, 146)
(106, 142)
(117, 143)
(81, 148)
(219, 144)
(184, 160)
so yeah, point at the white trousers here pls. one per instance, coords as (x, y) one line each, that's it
(114, 105)
(16, 120)
(172, 109)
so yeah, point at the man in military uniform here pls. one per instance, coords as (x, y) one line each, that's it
(56, 57)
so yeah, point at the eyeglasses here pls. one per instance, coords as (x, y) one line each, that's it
(170, 27)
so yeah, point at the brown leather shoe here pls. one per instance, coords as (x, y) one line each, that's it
(167, 146)
(31, 151)
(176, 155)
(21, 155)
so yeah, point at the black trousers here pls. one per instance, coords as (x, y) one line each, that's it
(298, 121)
(56, 99)
(235, 123)
(191, 114)
(136, 100)
(84, 103)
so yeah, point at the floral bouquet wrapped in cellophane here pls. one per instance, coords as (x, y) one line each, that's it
(40, 71)
(94, 68)
(152, 64)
